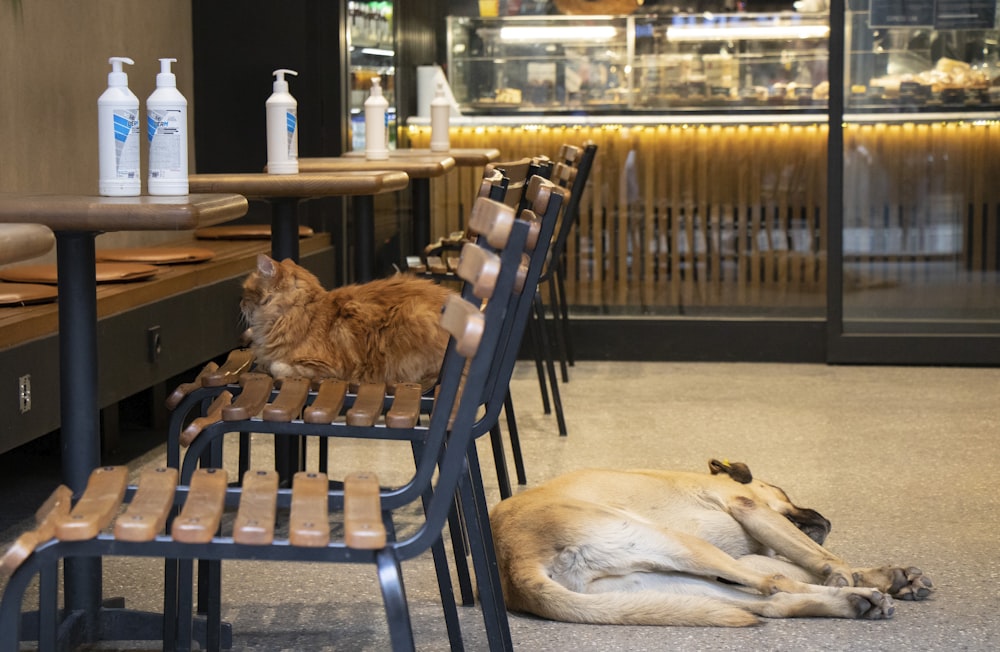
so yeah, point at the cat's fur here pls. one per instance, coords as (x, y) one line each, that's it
(385, 330)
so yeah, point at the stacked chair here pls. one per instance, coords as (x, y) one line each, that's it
(499, 274)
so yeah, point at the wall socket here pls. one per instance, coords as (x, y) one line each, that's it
(24, 392)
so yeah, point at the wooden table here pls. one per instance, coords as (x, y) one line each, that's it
(421, 167)
(285, 191)
(76, 221)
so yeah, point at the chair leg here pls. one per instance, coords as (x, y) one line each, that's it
(536, 346)
(460, 548)
(557, 331)
(390, 579)
(244, 456)
(550, 365)
(500, 461)
(515, 440)
(484, 556)
(447, 594)
(560, 280)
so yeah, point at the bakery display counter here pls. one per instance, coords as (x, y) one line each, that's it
(728, 215)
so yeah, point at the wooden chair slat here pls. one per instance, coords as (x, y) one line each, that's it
(238, 361)
(97, 506)
(213, 414)
(256, 390)
(405, 408)
(184, 389)
(465, 323)
(288, 404)
(367, 406)
(258, 508)
(480, 268)
(328, 402)
(147, 513)
(54, 509)
(493, 220)
(309, 520)
(202, 512)
(363, 527)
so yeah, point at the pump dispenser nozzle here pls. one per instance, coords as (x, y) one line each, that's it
(117, 77)
(280, 85)
(166, 77)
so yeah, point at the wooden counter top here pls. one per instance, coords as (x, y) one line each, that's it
(464, 156)
(421, 166)
(305, 185)
(143, 213)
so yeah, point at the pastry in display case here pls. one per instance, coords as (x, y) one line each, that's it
(937, 56)
(637, 62)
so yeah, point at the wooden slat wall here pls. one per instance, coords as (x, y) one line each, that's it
(680, 217)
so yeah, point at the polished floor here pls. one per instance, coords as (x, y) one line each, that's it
(903, 461)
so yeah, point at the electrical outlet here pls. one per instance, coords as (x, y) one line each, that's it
(24, 392)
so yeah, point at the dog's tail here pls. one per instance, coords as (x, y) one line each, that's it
(549, 599)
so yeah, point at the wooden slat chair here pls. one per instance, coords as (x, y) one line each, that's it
(493, 221)
(571, 171)
(441, 470)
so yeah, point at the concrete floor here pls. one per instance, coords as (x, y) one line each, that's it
(903, 461)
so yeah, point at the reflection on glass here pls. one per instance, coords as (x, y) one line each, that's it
(921, 236)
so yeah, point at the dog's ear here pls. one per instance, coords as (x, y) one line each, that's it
(736, 470)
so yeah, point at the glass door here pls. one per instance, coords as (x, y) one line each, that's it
(915, 277)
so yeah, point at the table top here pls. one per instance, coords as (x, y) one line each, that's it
(23, 241)
(143, 213)
(464, 156)
(304, 185)
(423, 166)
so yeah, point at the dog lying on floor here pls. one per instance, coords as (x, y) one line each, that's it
(676, 548)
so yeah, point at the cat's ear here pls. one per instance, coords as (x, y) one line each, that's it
(266, 265)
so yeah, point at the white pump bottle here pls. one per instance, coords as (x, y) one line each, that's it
(166, 126)
(376, 132)
(118, 135)
(440, 121)
(282, 127)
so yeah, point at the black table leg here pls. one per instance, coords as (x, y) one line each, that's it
(289, 452)
(421, 213)
(285, 229)
(364, 238)
(78, 404)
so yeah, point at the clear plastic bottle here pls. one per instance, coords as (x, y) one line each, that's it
(376, 133)
(166, 126)
(282, 127)
(118, 135)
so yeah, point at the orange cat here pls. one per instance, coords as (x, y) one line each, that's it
(381, 331)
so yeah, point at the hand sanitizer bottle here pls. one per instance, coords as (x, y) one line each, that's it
(166, 128)
(282, 127)
(118, 135)
(376, 140)
(440, 116)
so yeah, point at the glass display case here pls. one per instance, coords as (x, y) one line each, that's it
(935, 56)
(371, 44)
(638, 63)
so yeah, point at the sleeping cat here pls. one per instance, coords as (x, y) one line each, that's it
(385, 330)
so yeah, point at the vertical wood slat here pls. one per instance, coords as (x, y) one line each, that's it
(757, 220)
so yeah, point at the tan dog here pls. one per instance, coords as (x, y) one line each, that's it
(676, 548)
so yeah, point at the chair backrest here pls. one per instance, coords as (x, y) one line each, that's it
(582, 161)
(473, 351)
(546, 200)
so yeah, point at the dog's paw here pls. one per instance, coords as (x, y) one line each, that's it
(902, 583)
(871, 604)
(910, 584)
